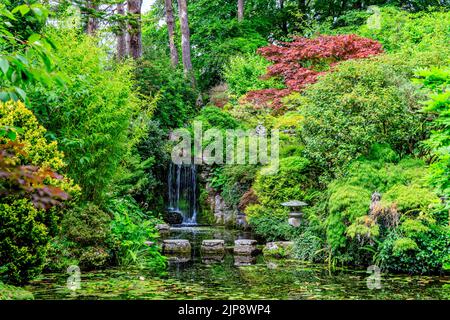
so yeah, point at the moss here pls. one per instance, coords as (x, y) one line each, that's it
(9, 292)
(410, 198)
(404, 244)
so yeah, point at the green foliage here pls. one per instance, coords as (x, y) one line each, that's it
(9, 292)
(406, 207)
(422, 252)
(272, 227)
(243, 74)
(438, 82)
(130, 230)
(175, 97)
(214, 117)
(26, 231)
(96, 117)
(402, 245)
(85, 231)
(402, 30)
(24, 238)
(309, 246)
(363, 103)
(25, 53)
(346, 204)
(288, 183)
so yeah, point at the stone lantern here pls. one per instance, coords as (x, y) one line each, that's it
(295, 215)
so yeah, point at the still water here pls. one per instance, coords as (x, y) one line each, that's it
(264, 279)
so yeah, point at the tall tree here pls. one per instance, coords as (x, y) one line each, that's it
(240, 10)
(171, 29)
(92, 20)
(134, 28)
(122, 49)
(185, 36)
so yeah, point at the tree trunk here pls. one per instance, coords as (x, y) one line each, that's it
(171, 29)
(240, 10)
(122, 34)
(134, 29)
(185, 36)
(92, 21)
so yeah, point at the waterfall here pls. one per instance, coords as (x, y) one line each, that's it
(182, 191)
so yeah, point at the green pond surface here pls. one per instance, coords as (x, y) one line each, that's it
(205, 278)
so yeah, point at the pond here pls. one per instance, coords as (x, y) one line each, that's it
(264, 279)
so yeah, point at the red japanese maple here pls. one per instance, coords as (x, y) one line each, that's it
(303, 60)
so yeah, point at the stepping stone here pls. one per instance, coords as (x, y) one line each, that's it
(211, 259)
(163, 228)
(244, 260)
(213, 247)
(176, 246)
(245, 247)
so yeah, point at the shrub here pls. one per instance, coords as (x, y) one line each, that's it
(24, 238)
(438, 82)
(130, 230)
(422, 252)
(348, 111)
(85, 231)
(301, 61)
(272, 227)
(27, 230)
(355, 226)
(243, 74)
(309, 246)
(288, 183)
(96, 117)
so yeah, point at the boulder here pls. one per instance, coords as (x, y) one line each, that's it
(279, 249)
(173, 217)
(210, 247)
(176, 246)
(245, 247)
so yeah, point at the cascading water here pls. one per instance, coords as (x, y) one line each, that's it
(182, 186)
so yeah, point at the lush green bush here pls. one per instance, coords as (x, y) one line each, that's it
(288, 183)
(273, 228)
(133, 236)
(175, 97)
(426, 251)
(85, 230)
(354, 229)
(363, 103)
(438, 82)
(399, 29)
(95, 117)
(25, 230)
(214, 117)
(243, 74)
(24, 238)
